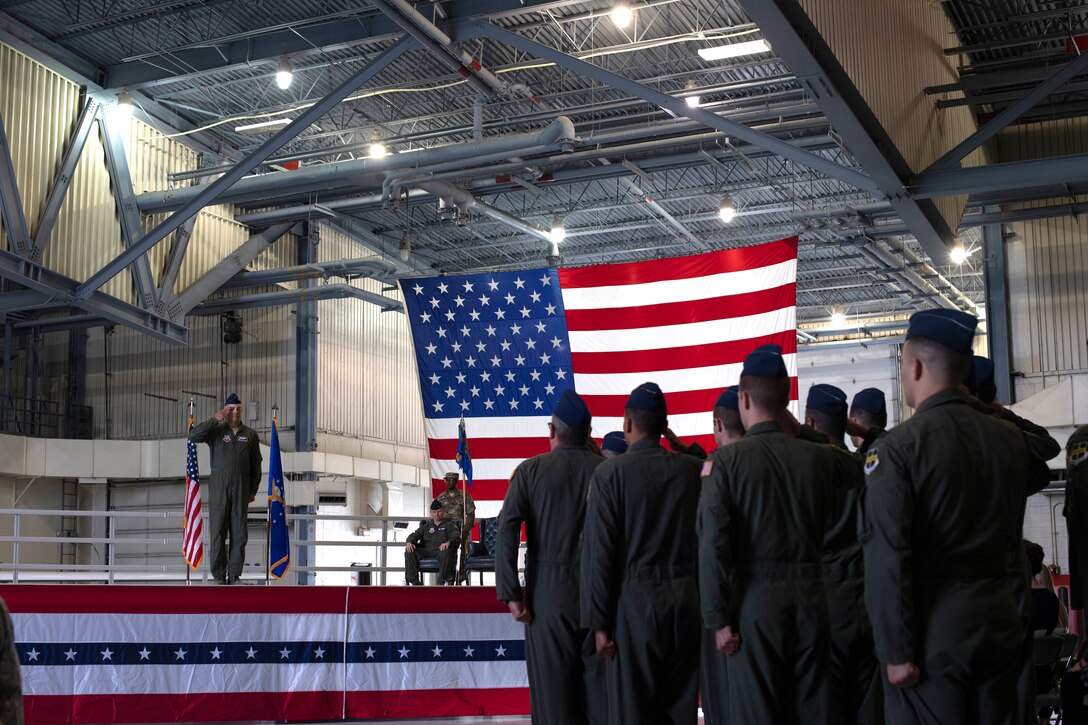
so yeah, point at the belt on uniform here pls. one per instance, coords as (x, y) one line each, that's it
(779, 570)
(967, 568)
(657, 573)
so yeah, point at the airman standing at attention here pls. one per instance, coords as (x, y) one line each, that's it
(459, 506)
(940, 519)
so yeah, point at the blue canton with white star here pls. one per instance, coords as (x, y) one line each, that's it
(490, 344)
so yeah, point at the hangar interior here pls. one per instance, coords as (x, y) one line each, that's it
(206, 196)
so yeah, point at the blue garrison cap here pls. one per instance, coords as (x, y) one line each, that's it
(571, 409)
(827, 399)
(647, 396)
(984, 370)
(951, 328)
(765, 362)
(232, 399)
(436, 505)
(871, 400)
(614, 441)
(729, 398)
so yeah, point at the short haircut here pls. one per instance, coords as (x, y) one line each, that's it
(730, 420)
(944, 364)
(1035, 556)
(647, 422)
(832, 426)
(770, 394)
(568, 434)
(868, 418)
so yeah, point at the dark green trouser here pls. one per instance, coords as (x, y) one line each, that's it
(779, 674)
(713, 681)
(227, 513)
(970, 642)
(853, 677)
(655, 676)
(560, 662)
(1020, 582)
(446, 559)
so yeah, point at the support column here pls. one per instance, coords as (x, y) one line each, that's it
(306, 390)
(75, 389)
(997, 310)
(304, 556)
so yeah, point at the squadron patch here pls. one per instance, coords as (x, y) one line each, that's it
(1078, 454)
(226, 439)
(872, 460)
(708, 466)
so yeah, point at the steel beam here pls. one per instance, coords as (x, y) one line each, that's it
(799, 43)
(176, 256)
(676, 106)
(306, 329)
(101, 305)
(19, 301)
(11, 205)
(127, 212)
(1001, 177)
(419, 263)
(218, 275)
(997, 311)
(290, 297)
(1010, 114)
(262, 152)
(63, 178)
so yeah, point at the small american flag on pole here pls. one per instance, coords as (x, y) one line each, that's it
(496, 350)
(193, 526)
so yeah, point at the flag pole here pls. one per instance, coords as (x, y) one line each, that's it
(268, 520)
(188, 569)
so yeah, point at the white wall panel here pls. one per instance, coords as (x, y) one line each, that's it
(852, 369)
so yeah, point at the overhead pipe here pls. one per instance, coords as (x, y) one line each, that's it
(393, 182)
(290, 297)
(464, 198)
(915, 260)
(370, 267)
(904, 275)
(559, 134)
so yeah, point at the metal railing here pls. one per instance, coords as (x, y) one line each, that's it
(109, 570)
(39, 418)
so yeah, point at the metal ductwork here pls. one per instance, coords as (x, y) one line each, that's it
(559, 135)
(290, 297)
(464, 198)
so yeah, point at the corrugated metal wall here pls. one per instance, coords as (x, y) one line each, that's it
(368, 391)
(892, 51)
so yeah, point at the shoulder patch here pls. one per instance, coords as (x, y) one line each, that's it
(1078, 454)
(226, 438)
(708, 466)
(872, 460)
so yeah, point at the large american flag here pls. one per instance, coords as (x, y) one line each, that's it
(193, 524)
(498, 349)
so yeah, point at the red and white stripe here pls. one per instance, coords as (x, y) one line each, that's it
(193, 522)
(685, 323)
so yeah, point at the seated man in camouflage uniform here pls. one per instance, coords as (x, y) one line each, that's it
(438, 539)
(459, 507)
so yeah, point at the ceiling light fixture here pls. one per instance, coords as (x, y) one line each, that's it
(124, 103)
(559, 231)
(838, 317)
(692, 100)
(284, 76)
(405, 248)
(622, 14)
(735, 50)
(377, 148)
(727, 210)
(257, 129)
(959, 254)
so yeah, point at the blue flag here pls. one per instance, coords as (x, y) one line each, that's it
(464, 460)
(279, 544)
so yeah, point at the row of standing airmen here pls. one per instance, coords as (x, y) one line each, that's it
(820, 586)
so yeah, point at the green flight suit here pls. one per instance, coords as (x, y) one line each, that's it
(427, 539)
(236, 477)
(853, 676)
(547, 494)
(1076, 516)
(941, 517)
(11, 685)
(638, 582)
(765, 506)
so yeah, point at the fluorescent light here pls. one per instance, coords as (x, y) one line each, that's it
(734, 50)
(959, 255)
(284, 76)
(256, 129)
(692, 101)
(728, 210)
(838, 317)
(622, 14)
(559, 231)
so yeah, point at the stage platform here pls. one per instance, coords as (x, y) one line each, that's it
(155, 654)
